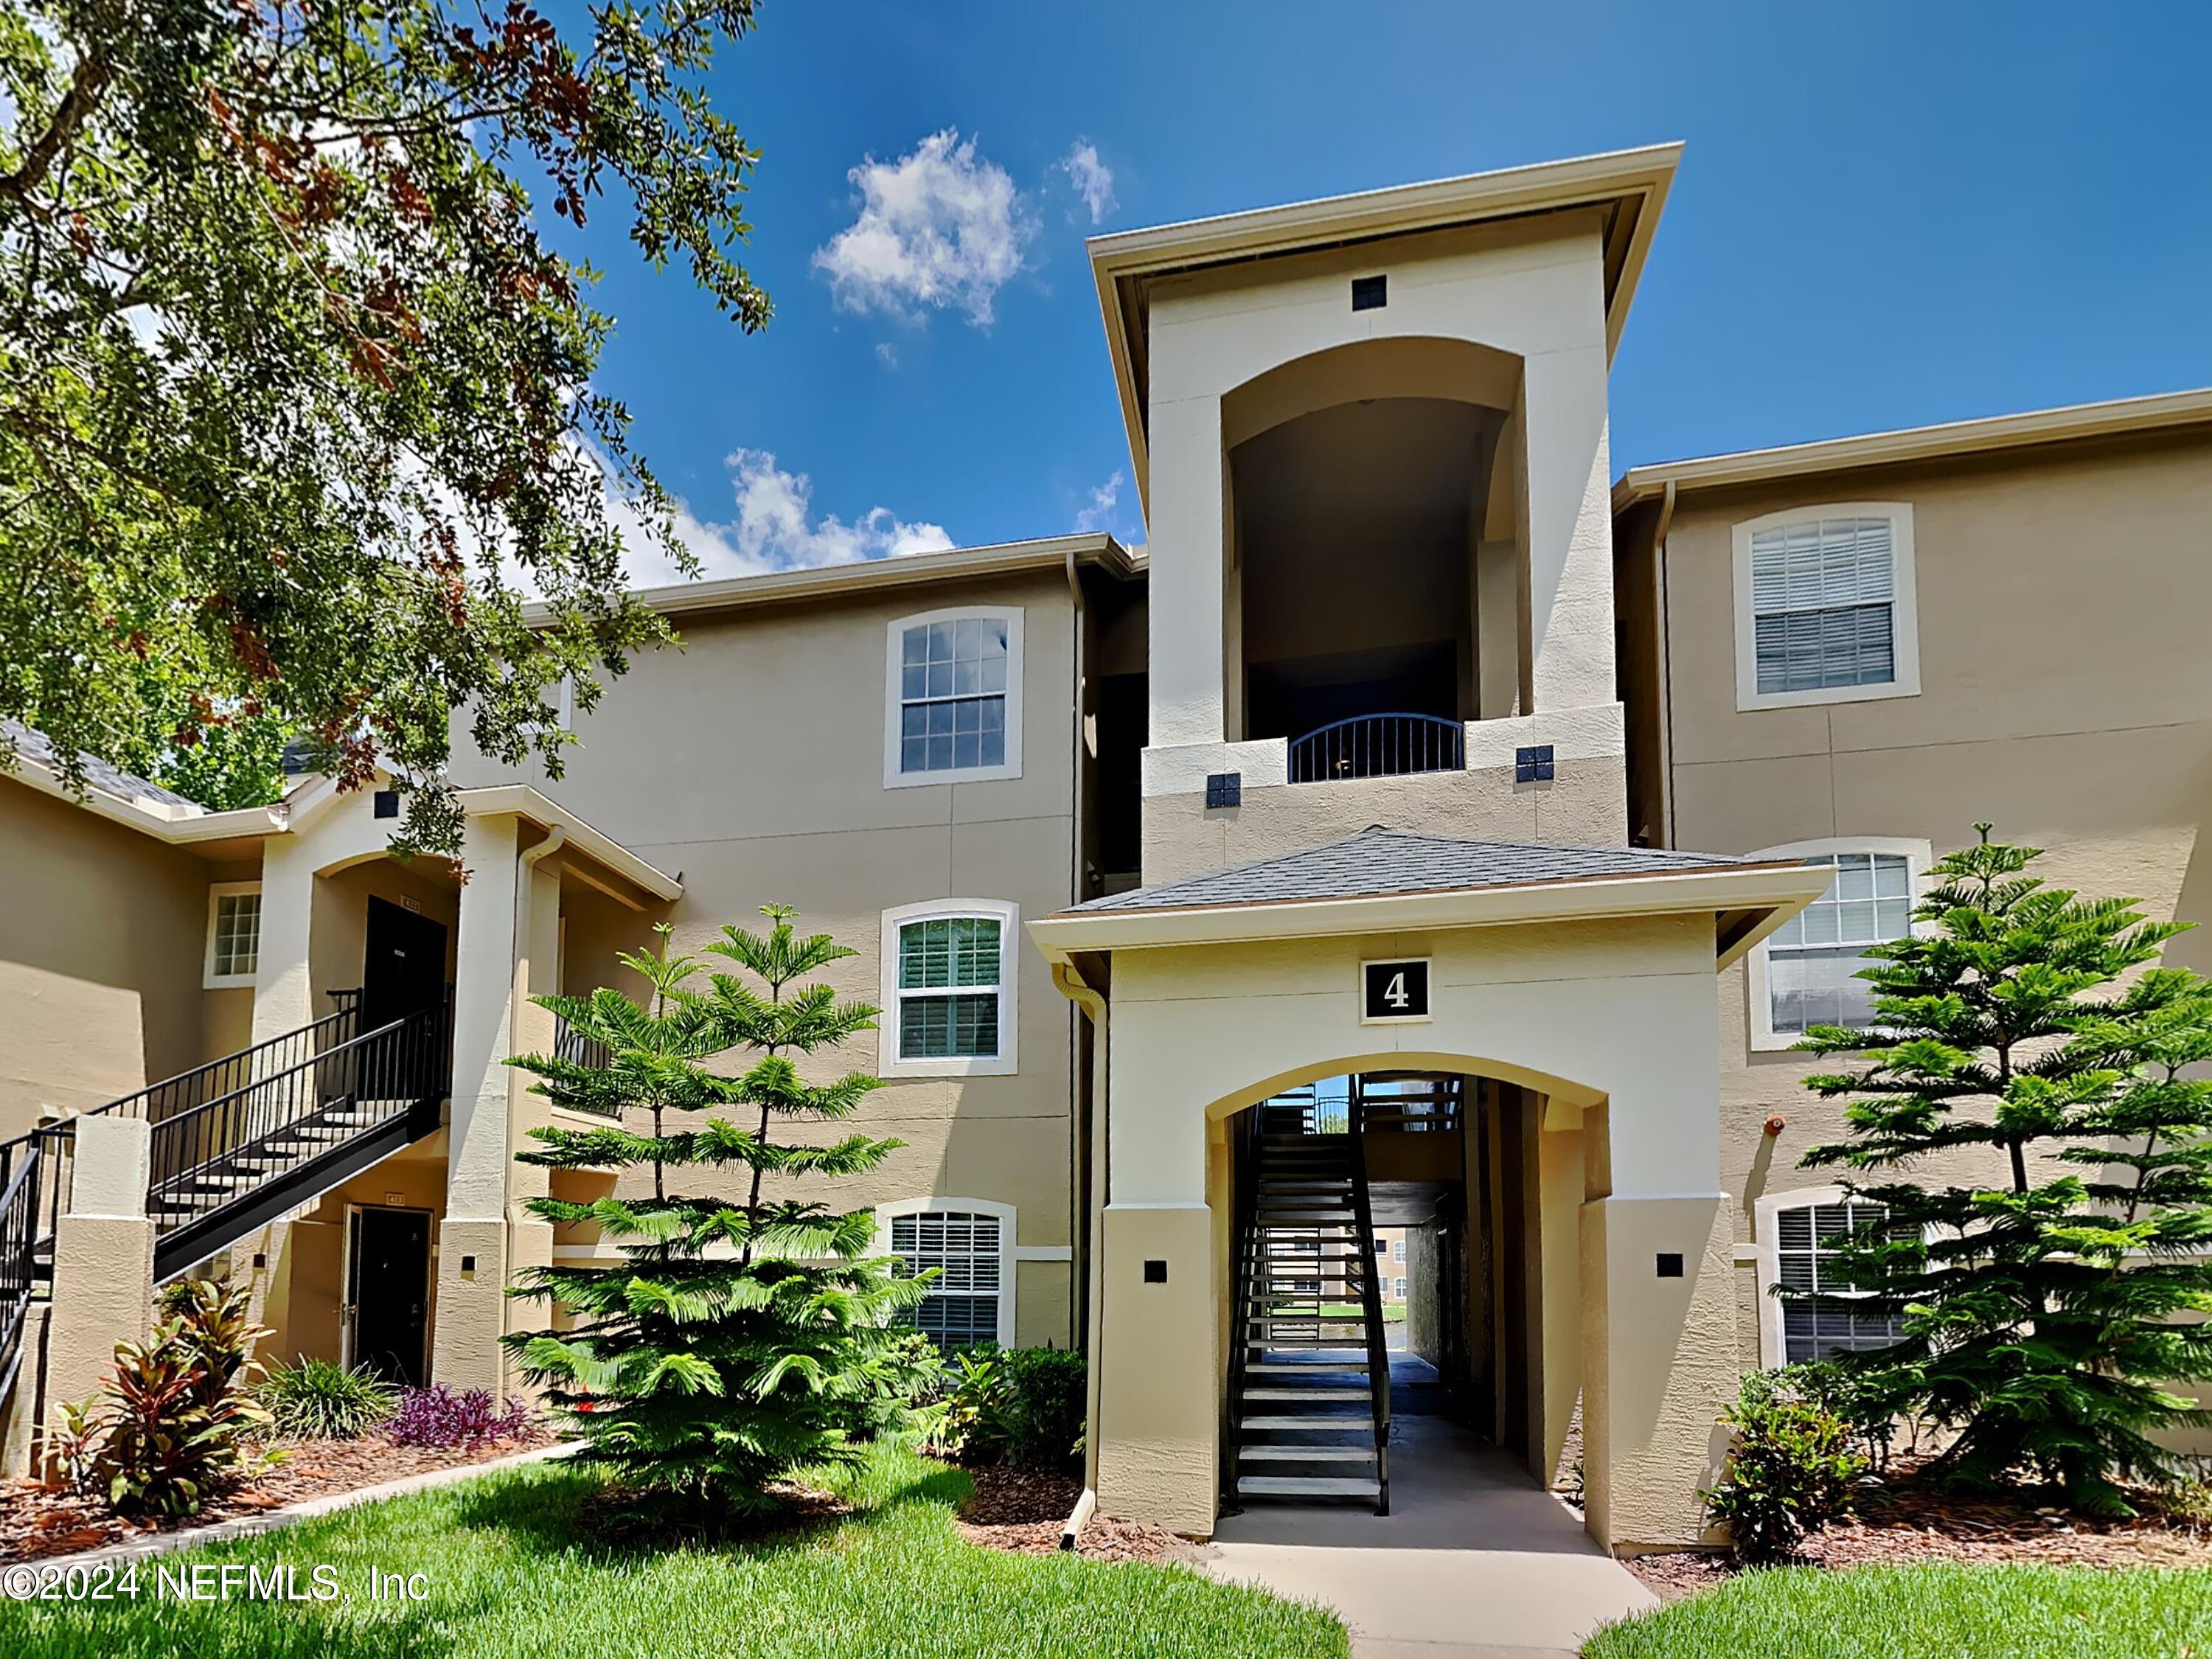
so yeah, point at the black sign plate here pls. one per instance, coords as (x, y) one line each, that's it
(1393, 990)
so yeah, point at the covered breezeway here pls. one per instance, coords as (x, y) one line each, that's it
(1580, 981)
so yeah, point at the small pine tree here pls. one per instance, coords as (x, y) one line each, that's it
(2043, 1316)
(743, 1336)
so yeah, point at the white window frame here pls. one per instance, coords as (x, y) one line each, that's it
(1003, 1213)
(1766, 1223)
(1917, 855)
(1398, 1288)
(1005, 1062)
(218, 891)
(894, 703)
(1904, 609)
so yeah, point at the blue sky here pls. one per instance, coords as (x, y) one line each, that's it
(1888, 214)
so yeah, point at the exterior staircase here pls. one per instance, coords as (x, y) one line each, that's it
(236, 1143)
(1308, 1411)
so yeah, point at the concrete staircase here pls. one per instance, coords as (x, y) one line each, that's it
(1309, 1389)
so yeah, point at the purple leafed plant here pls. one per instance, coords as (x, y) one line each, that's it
(436, 1416)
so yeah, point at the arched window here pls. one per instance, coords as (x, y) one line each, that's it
(952, 697)
(1825, 605)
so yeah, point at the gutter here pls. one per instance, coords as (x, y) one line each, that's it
(1072, 986)
(1666, 664)
(1075, 896)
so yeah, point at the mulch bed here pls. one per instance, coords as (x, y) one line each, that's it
(1024, 1509)
(36, 1522)
(1904, 1522)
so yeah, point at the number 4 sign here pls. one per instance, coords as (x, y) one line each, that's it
(1391, 992)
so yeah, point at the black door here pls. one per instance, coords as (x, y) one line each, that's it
(388, 1284)
(405, 967)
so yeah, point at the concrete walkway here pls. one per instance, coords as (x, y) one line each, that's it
(1472, 1562)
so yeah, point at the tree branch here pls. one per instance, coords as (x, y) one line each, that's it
(86, 88)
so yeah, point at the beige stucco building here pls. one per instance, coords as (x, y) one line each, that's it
(1432, 833)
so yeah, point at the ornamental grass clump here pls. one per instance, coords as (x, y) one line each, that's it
(2045, 1314)
(318, 1399)
(747, 1331)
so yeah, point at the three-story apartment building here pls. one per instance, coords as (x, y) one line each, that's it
(1427, 835)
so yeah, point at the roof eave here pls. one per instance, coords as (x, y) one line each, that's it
(1780, 890)
(902, 570)
(524, 800)
(1950, 439)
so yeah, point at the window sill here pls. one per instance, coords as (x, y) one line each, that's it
(959, 774)
(1001, 1065)
(1750, 703)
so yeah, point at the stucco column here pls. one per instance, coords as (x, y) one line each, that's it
(1158, 1405)
(283, 986)
(103, 1257)
(1188, 572)
(472, 1249)
(1570, 527)
(1659, 1360)
(537, 973)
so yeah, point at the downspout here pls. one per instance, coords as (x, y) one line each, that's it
(1094, 1005)
(526, 862)
(1075, 896)
(1666, 663)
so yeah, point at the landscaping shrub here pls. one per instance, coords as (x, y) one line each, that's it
(1020, 1405)
(902, 1380)
(316, 1400)
(1789, 1471)
(436, 1416)
(172, 1422)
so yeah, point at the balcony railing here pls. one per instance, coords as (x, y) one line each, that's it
(1378, 746)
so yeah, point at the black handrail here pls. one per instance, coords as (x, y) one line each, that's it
(1371, 1294)
(19, 1239)
(1378, 746)
(1246, 1141)
(223, 1149)
(174, 1096)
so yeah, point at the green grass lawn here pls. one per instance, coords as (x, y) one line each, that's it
(1952, 1612)
(507, 1575)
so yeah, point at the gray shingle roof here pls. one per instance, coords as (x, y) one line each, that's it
(1379, 860)
(36, 744)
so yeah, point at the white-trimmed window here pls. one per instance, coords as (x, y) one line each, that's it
(1397, 1290)
(234, 933)
(1825, 605)
(1397, 1250)
(1805, 974)
(971, 1241)
(1798, 1234)
(952, 697)
(948, 989)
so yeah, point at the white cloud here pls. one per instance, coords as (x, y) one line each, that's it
(1093, 178)
(938, 228)
(1099, 515)
(887, 353)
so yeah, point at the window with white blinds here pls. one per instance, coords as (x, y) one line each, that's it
(1825, 605)
(1814, 960)
(1823, 593)
(1805, 1241)
(963, 1304)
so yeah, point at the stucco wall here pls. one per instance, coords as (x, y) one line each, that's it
(751, 761)
(2064, 696)
(102, 942)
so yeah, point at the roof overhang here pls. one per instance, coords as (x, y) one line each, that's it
(1629, 186)
(1748, 901)
(2122, 418)
(865, 576)
(620, 873)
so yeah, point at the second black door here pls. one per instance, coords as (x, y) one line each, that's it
(388, 1284)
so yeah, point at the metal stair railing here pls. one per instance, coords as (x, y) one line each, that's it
(19, 1227)
(1371, 1293)
(56, 1143)
(1242, 1265)
(1414, 1104)
(218, 1167)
